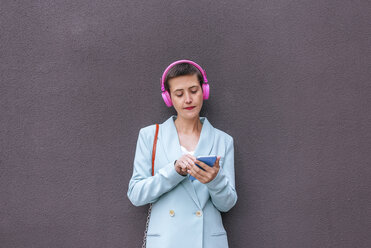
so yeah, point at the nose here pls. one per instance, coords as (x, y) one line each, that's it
(188, 98)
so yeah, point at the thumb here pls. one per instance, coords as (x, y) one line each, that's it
(217, 161)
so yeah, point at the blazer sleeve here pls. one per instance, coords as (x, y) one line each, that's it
(222, 187)
(143, 187)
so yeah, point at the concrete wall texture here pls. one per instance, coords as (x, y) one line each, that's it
(290, 81)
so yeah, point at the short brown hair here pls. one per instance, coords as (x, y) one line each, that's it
(182, 69)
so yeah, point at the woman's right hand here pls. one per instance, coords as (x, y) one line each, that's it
(182, 163)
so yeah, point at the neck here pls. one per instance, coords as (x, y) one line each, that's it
(188, 126)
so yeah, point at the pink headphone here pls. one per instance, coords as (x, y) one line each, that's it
(205, 85)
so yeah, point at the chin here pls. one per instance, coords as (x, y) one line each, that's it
(191, 115)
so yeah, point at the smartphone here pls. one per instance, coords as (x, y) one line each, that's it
(209, 160)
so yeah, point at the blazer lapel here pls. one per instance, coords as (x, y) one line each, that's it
(206, 141)
(170, 141)
(171, 145)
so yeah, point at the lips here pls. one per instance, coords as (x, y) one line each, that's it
(190, 108)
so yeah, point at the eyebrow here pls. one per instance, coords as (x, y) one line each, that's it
(188, 88)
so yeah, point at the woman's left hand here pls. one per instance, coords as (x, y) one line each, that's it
(208, 174)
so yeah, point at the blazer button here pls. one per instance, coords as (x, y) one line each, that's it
(172, 213)
(199, 213)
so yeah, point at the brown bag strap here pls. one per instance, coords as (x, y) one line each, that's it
(154, 150)
(153, 172)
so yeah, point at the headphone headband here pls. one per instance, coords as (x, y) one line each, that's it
(178, 62)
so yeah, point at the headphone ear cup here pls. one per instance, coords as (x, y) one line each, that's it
(206, 90)
(167, 98)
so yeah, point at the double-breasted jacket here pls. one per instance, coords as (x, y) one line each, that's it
(184, 213)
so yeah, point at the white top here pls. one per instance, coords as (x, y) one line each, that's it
(185, 151)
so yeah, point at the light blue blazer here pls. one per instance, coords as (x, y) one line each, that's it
(184, 213)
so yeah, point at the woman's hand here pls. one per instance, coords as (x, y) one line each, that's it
(208, 174)
(183, 162)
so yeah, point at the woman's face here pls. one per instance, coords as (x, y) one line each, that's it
(186, 96)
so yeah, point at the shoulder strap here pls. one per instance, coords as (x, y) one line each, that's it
(154, 150)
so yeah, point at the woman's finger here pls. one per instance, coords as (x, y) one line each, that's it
(200, 175)
(183, 164)
(195, 174)
(193, 158)
(190, 172)
(198, 171)
(203, 165)
(216, 165)
(189, 161)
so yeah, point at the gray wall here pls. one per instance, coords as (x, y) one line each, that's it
(290, 81)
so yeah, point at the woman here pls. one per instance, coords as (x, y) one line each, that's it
(185, 213)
